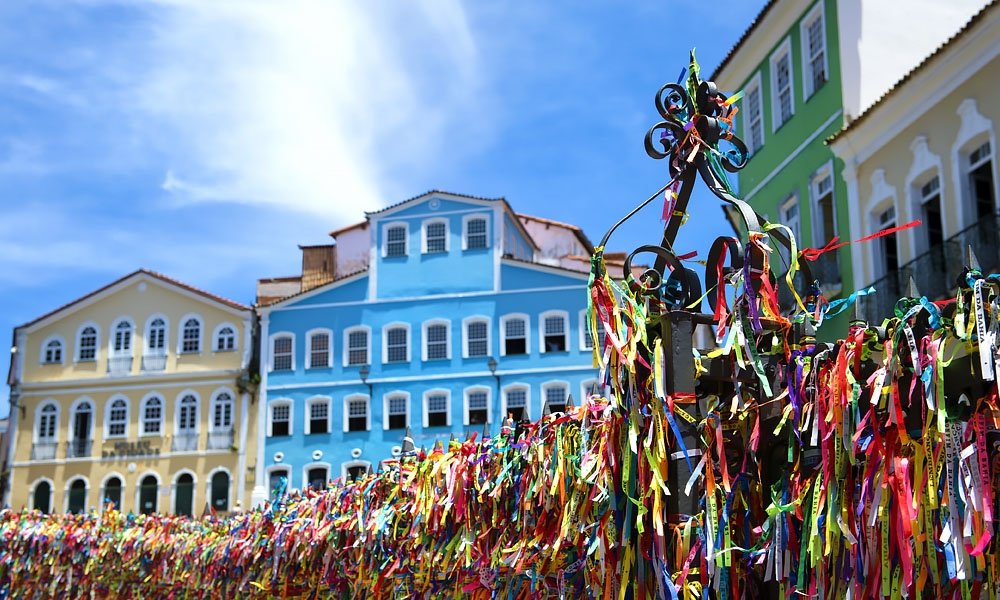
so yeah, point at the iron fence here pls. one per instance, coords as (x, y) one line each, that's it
(44, 450)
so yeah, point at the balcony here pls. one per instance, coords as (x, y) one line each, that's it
(936, 271)
(44, 450)
(153, 363)
(825, 270)
(185, 442)
(78, 449)
(220, 440)
(119, 366)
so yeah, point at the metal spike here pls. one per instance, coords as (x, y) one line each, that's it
(452, 437)
(408, 442)
(370, 470)
(569, 403)
(911, 289)
(546, 411)
(423, 449)
(858, 311)
(439, 445)
(971, 262)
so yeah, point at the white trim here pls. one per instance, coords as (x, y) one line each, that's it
(423, 234)
(181, 323)
(43, 388)
(173, 491)
(214, 402)
(218, 330)
(437, 377)
(35, 438)
(541, 330)
(527, 399)
(465, 229)
(319, 399)
(347, 345)
(270, 415)
(62, 350)
(465, 402)
(145, 335)
(270, 345)
(925, 166)
(73, 408)
(882, 197)
(97, 342)
(385, 341)
(974, 130)
(551, 269)
(368, 414)
(350, 465)
(112, 331)
(557, 383)
(426, 407)
(503, 332)
(783, 49)
(780, 168)
(138, 490)
(107, 417)
(824, 171)
(385, 407)
(815, 13)
(34, 486)
(197, 411)
(406, 204)
(747, 133)
(585, 389)
(385, 238)
(142, 414)
(584, 328)
(104, 486)
(86, 492)
(229, 492)
(465, 335)
(498, 227)
(269, 471)
(329, 350)
(424, 349)
(315, 465)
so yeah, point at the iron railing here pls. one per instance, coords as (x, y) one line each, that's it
(154, 362)
(936, 272)
(44, 450)
(220, 440)
(185, 442)
(119, 365)
(78, 449)
(825, 270)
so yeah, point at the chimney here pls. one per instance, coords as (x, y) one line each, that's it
(318, 265)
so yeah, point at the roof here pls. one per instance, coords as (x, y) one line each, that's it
(916, 70)
(429, 193)
(147, 272)
(359, 225)
(270, 301)
(576, 230)
(743, 38)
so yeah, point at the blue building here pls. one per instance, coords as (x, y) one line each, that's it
(432, 314)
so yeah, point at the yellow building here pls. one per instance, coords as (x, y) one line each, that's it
(135, 394)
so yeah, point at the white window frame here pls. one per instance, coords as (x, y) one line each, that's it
(270, 415)
(385, 407)
(784, 48)
(368, 415)
(44, 349)
(882, 197)
(426, 408)
(146, 351)
(347, 345)
(385, 238)
(217, 332)
(329, 351)
(73, 410)
(37, 439)
(465, 335)
(465, 402)
(181, 324)
(270, 345)
(527, 332)
(793, 223)
(229, 492)
(106, 429)
(747, 134)
(555, 384)
(807, 76)
(385, 341)
(111, 338)
(286, 469)
(465, 229)
(197, 411)
(214, 402)
(974, 131)
(329, 412)
(541, 329)
(423, 235)
(822, 173)
(79, 339)
(315, 465)
(142, 414)
(350, 465)
(584, 328)
(585, 389)
(425, 350)
(527, 399)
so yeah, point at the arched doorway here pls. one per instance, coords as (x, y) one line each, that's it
(77, 497)
(42, 496)
(113, 493)
(317, 477)
(220, 491)
(149, 488)
(184, 495)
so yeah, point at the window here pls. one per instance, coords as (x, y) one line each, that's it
(355, 470)
(825, 224)
(87, 344)
(52, 352)
(475, 236)
(225, 339)
(149, 490)
(782, 103)
(437, 344)
(436, 408)
(396, 346)
(477, 406)
(281, 418)
(122, 343)
(191, 335)
(930, 209)
(981, 187)
(152, 416)
(435, 237)
(316, 477)
(587, 342)
(220, 491)
(48, 421)
(555, 397)
(357, 415)
(889, 247)
(320, 349)
(156, 336)
(356, 349)
(81, 424)
(282, 354)
(76, 498)
(813, 51)
(396, 241)
(554, 330)
(515, 403)
(788, 215)
(184, 494)
(514, 329)
(41, 497)
(118, 418)
(113, 493)
(279, 480)
(319, 416)
(477, 337)
(187, 415)
(222, 412)
(754, 119)
(397, 411)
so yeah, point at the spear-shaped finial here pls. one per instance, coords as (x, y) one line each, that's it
(408, 442)
(911, 289)
(971, 262)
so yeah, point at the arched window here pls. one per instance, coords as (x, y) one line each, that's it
(477, 405)
(82, 429)
(357, 413)
(117, 420)
(225, 339)
(41, 498)
(356, 348)
(395, 240)
(152, 416)
(156, 336)
(437, 408)
(191, 335)
(514, 332)
(53, 352)
(47, 421)
(437, 340)
(76, 500)
(112, 494)
(184, 495)
(221, 432)
(477, 337)
(86, 345)
(149, 492)
(555, 396)
(354, 470)
(279, 418)
(435, 236)
(553, 328)
(475, 235)
(318, 419)
(320, 349)
(122, 343)
(282, 352)
(186, 436)
(516, 403)
(220, 491)
(396, 410)
(317, 475)
(279, 480)
(396, 343)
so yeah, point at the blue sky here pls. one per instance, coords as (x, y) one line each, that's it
(205, 140)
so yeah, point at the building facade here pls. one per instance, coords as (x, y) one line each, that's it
(135, 395)
(807, 67)
(449, 326)
(927, 151)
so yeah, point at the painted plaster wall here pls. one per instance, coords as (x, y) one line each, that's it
(514, 243)
(352, 249)
(554, 242)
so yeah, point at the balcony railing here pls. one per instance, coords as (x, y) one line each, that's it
(185, 442)
(154, 362)
(119, 365)
(78, 449)
(44, 450)
(220, 440)
(936, 271)
(825, 270)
